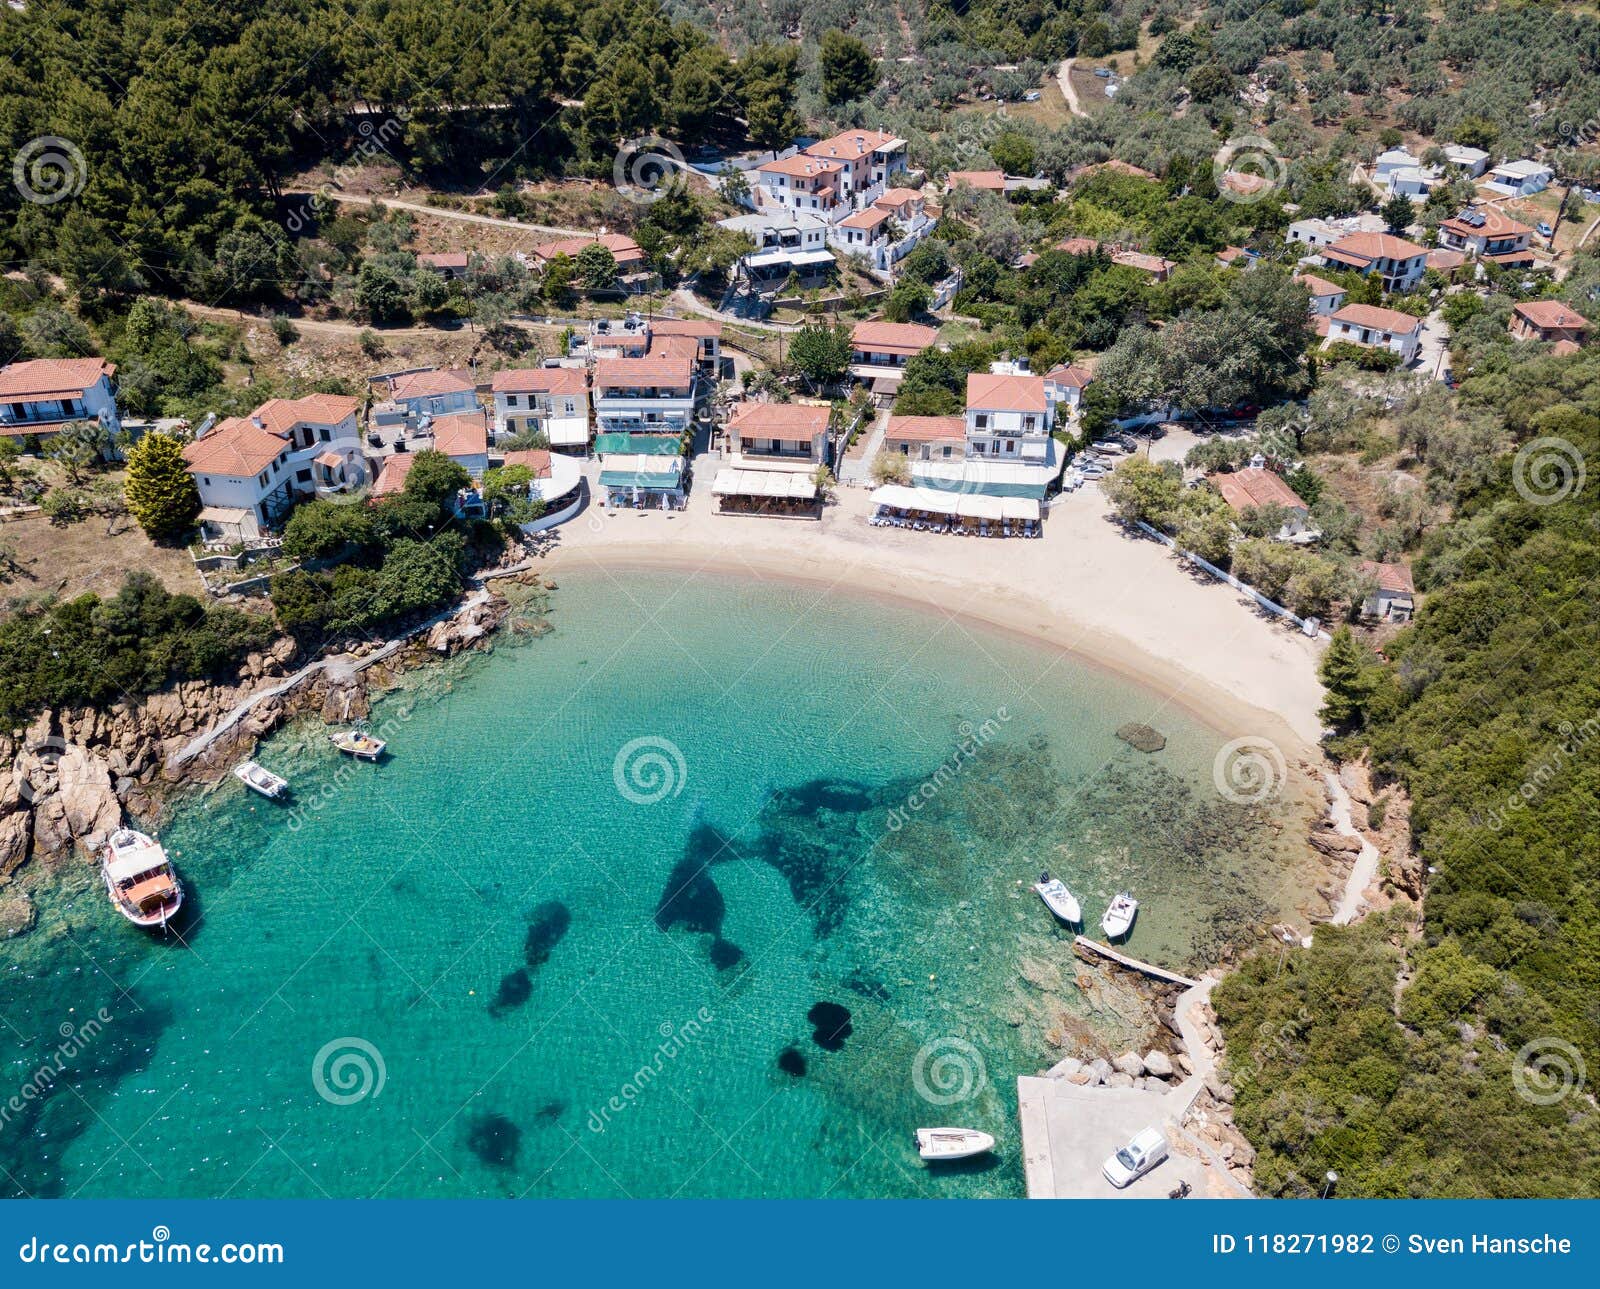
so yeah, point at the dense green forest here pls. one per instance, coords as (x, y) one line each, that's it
(1453, 1064)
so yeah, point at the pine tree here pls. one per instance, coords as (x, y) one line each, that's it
(1347, 680)
(161, 493)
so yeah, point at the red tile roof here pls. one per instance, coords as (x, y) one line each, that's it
(443, 259)
(1078, 246)
(392, 478)
(1071, 375)
(869, 218)
(1548, 314)
(235, 448)
(461, 436)
(988, 392)
(1444, 259)
(924, 429)
(426, 384)
(656, 370)
(1377, 246)
(851, 144)
(876, 336)
(779, 420)
(623, 249)
(52, 377)
(1378, 318)
(1496, 224)
(539, 380)
(699, 328)
(536, 459)
(801, 166)
(1320, 286)
(281, 415)
(1391, 577)
(1252, 487)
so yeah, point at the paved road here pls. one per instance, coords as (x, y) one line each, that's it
(1433, 351)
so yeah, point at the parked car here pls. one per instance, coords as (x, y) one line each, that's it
(1032, 96)
(1147, 1149)
(1545, 230)
(1104, 73)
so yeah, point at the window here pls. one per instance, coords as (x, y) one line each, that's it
(303, 476)
(325, 434)
(981, 420)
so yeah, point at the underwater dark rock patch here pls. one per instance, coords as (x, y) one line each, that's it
(550, 1112)
(1142, 737)
(859, 983)
(546, 925)
(725, 954)
(516, 987)
(792, 1061)
(495, 1140)
(830, 1025)
(691, 899)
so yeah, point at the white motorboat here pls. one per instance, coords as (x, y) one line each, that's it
(1058, 899)
(937, 1144)
(260, 779)
(1119, 917)
(139, 878)
(358, 743)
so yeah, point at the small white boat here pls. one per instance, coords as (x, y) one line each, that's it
(1119, 917)
(952, 1143)
(139, 878)
(260, 779)
(1058, 899)
(358, 743)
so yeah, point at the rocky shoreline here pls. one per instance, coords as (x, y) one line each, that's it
(69, 778)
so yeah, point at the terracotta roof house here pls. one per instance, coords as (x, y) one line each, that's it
(1154, 265)
(1326, 297)
(251, 470)
(926, 438)
(992, 392)
(1255, 487)
(1548, 320)
(392, 478)
(624, 250)
(876, 343)
(1067, 383)
(41, 395)
(982, 180)
(1486, 230)
(1374, 327)
(449, 264)
(782, 436)
(464, 438)
(1397, 262)
(1392, 600)
(1079, 246)
(433, 393)
(553, 401)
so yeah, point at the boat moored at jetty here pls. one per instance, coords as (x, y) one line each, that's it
(1058, 899)
(140, 879)
(1118, 920)
(935, 1144)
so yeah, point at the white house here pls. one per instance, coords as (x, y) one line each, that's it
(1254, 488)
(1397, 262)
(433, 393)
(1489, 232)
(1473, 160)
(464, 438)
(554, 400)
(651, 395)
(1065, 385)
(1009, 451)
(867, 161)
(787, 241)
(1519, 178)
(250, 470)
(1327, 297)
(1389, 162)
(1415, 181)
(41, 396)
(1377, 328)
(1392, 599)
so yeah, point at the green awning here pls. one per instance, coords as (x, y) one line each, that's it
(639, 479)
(986, 488)
(644, 445)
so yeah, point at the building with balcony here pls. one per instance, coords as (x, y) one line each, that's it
(1374, 327)
(1007, 446)
(1396, 262)
(41, 396)
(251, 470)
(553, 401)
(649, 395)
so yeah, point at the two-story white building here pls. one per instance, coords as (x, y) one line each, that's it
(787, 242)
(879, 351)
(1374, 327)
(867, 159)
(774, 452)
(649, 395)
(43, 395)
(251, 470)
(1327, 298)
(433, 393)
(551, 400)
(1488, 232)
(1009, 450)
(1397, 262)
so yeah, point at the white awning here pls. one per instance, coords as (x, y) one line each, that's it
(223, 515)
(763, 483)
(567, 432)
(978, 506)
(1019, 508)
(801, 259)
(932, 500)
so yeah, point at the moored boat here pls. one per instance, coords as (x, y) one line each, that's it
(358, 743)
(260, 779)
(1119, 917)
(1058, 899)
(937, 1144)
(140, 879)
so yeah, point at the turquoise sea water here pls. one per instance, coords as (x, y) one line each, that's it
(571, 938)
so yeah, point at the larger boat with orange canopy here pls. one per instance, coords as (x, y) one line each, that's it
(140, 878)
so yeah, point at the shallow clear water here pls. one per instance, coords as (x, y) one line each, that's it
(605, 875)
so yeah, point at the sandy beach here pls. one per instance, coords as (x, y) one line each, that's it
(1086, 587)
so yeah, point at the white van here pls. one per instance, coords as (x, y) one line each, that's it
(1138, 1157)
